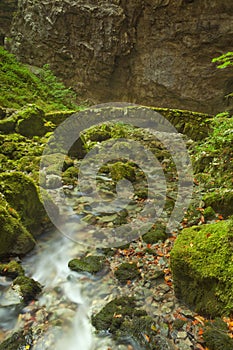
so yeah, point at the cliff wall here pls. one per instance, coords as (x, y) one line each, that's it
(154, 52)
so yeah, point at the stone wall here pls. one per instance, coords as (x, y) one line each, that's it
(153, 52)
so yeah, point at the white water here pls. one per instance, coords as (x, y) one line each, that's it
(49, 266)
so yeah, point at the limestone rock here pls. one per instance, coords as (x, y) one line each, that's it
(150, 52)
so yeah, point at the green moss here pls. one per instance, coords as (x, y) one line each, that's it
(195, 125)
(119, 171)
(91, 264)
(155, 234)
(202, 269)
(8, 125)
(31, 121)
(209, 213)
(29, 289)
(57, 117)
(17, 341)
(221, 200)
(20, 86)
(21, 193)
(216, 337)
(112, 316)
(15, 239)
(70, 175)
(126, 272)
(12, 269)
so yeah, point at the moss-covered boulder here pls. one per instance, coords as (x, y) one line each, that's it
(220, 200)
(120, 170)
(201, 263)
(127, 272)
(91, 264)
(155, 234)
(21, 193)
(216, 337)
(31, 121)
(17, 341)
(11, 269)
(70, 175)
(7, 125)
(28, 288)
(14, 237)
(112, 316)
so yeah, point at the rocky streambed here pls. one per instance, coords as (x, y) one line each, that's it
(82, 289)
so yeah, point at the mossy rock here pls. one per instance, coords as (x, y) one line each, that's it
(112, 316)
(209, 213)
(155, 234)
(120, 171)
(57, 117)
(98, 135)
(29, 289)
(8, 125)
(141, 333)
(21, 193)
(201, 268)
(221, 201)
(216, 337)
(31, 121)
(127, 272)
(193, 124)
(70, 175)
(14, 237)
(17, 341)
(91, 264)
(11, 269)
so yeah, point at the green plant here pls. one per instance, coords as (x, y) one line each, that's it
(224, 60)
(19, 86)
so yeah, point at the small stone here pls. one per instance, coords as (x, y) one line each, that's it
(181, 335)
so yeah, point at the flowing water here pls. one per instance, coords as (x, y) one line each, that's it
(68, 298)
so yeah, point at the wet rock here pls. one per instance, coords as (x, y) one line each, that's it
(12, 269)
(127, 272)
(28, 288)
(91, 264)
(200, 266)
(53, 181)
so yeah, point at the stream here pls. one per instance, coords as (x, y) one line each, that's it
(60, 318)
(67, 301)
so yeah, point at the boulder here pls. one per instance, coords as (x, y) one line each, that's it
(21, 193)
(14, 237)
(202, 270)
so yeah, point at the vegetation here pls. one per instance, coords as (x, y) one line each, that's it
(19, 86)
(224, 61)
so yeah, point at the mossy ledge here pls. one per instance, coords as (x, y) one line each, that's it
(201, 263)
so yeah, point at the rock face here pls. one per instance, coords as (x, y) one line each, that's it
(7, 9)
(151, 52)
